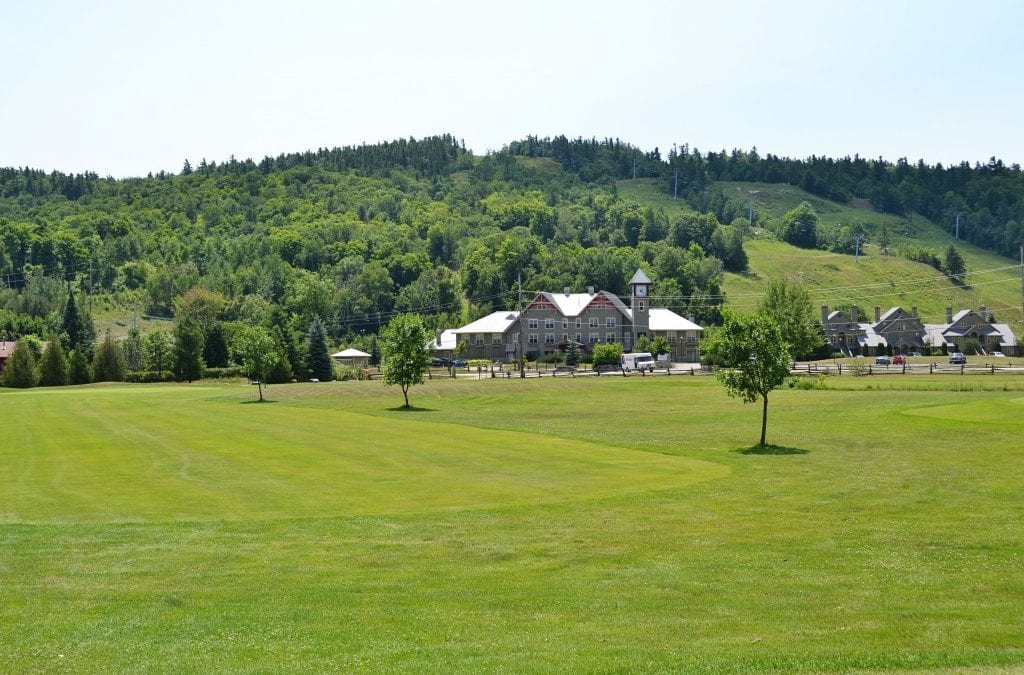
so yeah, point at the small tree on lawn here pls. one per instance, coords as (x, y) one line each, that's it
(405, 352)
(755, 358)
(643, 344)
(254, 349)
(318, 358)
(20, 370)
(53, 371)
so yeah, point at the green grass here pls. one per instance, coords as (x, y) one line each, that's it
(539, 525)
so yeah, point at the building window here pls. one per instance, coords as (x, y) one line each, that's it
(609, 322)
(532, 323)
(672, 339)
(549, 323)
(640, 305)
(532, 339)
(593, 338)
(691, 339)
(479, 340)
(579, 322)
(549, 338)
(691, 355)
(565, 337)
(579, 338)
(594, 322)
(565, 323)
(609, 337)
(496, 338)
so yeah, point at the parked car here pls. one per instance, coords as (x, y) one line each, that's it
(915, 353)
(440, 362)
(881, 360)
(958, 358)
(899, 360)
(999, 355)
(459, 363)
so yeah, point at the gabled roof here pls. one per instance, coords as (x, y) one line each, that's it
(888, 315)
(350, 353)
(665, 319)
(495, 322)
(448, 340)
(640, 278)
(573, 304)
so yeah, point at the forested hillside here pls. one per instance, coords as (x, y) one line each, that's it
(356, 235)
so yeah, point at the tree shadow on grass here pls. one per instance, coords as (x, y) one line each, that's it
(257, 401)
(410, 409)
(772, 450)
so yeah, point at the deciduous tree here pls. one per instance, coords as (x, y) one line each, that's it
(405, 352)
(755, 358)
(790, 306)
(253, 348)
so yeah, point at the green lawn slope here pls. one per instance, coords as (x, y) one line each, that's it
(600, 524)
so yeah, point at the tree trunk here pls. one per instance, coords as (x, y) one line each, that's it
(405, 393)
(259, 387)
(764, 418)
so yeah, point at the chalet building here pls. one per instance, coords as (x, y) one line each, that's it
(551, 321)
(905, 332)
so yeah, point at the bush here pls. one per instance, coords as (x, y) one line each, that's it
(222, 373)
(608, 354)
(148, 376)
(344, 373)
(552, 358)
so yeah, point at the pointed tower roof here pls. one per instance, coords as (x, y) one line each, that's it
(639, 278)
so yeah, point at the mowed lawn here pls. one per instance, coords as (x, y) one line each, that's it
(540, 525)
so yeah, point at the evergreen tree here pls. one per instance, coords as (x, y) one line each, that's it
(108, 364)
(953, 265)
(215, 348)
(20, 369)
(374, 351)
(73, 325)
(79, 371)
(188, 351)
(318, 358)
(572, 354)
(53, 371)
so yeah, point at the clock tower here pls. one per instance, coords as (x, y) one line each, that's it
(640, 304)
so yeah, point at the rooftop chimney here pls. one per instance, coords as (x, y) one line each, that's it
(854, 313)
(437, 338)
(878, 313)
(913, 311)
(566, 290)
(949, 315)
(824, 314)
(983, 311)
(590, 290)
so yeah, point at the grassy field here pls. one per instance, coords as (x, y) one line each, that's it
(538, 525)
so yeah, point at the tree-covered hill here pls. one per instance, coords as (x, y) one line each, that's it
(356, 235)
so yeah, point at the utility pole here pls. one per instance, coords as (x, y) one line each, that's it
(858, 239)
(634, 163)
(752, 194)
(1021, 281)
(957, 234)
(675, 190)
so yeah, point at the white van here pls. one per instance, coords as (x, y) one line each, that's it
(640, 361)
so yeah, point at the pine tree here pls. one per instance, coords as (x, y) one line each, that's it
(215, 349)
(572, 354)
(374, 351)
(318, 359)
(73, 325)
(20, 369)
(53, 371)
(78, 369)
(108, 365)
(188, 351)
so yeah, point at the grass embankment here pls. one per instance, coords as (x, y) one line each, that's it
(593, 524)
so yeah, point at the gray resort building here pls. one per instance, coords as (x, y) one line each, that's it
(550, 321)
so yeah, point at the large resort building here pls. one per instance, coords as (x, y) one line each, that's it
(550, 321)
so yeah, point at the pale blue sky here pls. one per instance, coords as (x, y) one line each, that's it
(127, 87)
